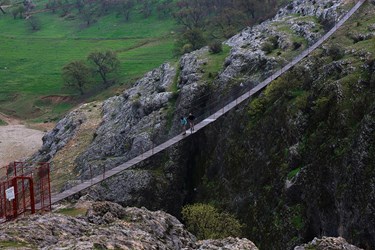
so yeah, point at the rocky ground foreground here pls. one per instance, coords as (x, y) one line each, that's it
(107, 225)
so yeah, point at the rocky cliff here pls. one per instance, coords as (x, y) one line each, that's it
(298, 161)
(327, 243)
(107, 225)
(294, 163)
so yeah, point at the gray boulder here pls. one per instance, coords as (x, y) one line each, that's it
(328, 243)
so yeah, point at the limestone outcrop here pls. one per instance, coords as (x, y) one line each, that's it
(325, 243)
(108, 225)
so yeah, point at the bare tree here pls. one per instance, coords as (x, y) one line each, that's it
(3, 2)
(191, 14)
(125, 8)
(89, 12)
(164, 8)
(18, 11)
(147, 6)
(80, 4)
(34, 23)
(52, 5)
(105, 63)
(77, 75)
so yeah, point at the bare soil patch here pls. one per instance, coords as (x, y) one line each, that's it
(10, 120)
(56, 98)
(17, 141)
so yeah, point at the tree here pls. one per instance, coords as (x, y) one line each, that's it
(52, 5)
(105, 63)
(3, 2)
(125, 8)
(80, 4)
(89, 13)
(29, 5)
(19, 10)
(194, 37)
(164, 8)
(206, 222)
(65, 7)
(147, 6)
(191, 14)
(76, 74)
(226, 22)
(34, 23)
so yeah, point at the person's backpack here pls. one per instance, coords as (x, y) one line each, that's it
(183, 121)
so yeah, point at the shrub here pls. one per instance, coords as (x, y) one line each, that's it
(267, 47)
(34, 23)
(215, 47)
(271, 44)
(274, 40)
(187, 48)
(206, 222)
(335, 52)
(296, 45)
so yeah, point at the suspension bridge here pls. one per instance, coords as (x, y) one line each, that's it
(204, 121)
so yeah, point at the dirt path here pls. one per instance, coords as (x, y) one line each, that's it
(9, 120)
(17, 141)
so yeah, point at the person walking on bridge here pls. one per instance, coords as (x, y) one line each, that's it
(191, 119)
(183, 122)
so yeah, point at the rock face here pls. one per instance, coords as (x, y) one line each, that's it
(108, 226)
(321, 9)
(58, 137)
(228, 243)
(131, 123)
(248, 59)
(327, 243)
(298, 162)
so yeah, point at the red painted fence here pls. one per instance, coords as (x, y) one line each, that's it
(24, 189)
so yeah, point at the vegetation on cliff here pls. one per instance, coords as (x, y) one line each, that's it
(299, 160)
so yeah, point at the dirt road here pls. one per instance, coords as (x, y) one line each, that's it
(17, 141)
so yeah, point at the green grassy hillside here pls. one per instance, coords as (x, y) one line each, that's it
(31, 61)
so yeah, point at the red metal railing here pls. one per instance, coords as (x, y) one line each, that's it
(25, 188)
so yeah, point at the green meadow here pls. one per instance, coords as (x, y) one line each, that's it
(31, 86)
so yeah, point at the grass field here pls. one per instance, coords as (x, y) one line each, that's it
(31, 62)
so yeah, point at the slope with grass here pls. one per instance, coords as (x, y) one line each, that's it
(31, 61)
